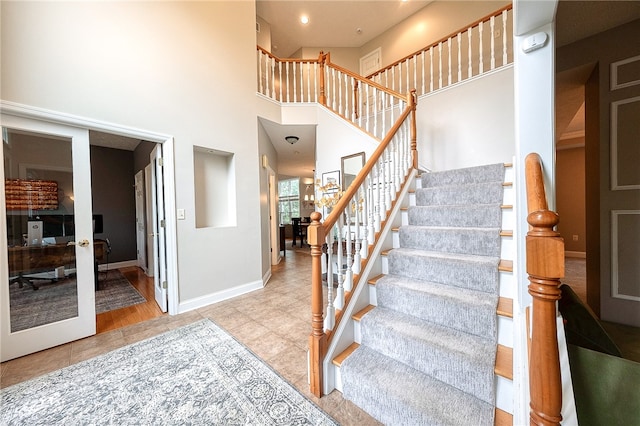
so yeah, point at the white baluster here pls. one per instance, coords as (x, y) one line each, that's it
(393, 78)
(315, 82)
(330, 317)
(423, 82)
(301, 81)
(377, 214)
(375, 111)
(431, 69)
(383, 189)
(493, 47)
(366, 126)
(288, 84)
(415, 71)
(280, 79)
(339, 301)
(347, 96)
(357, 259)
(388, 186)
(370, 208)
(308, 81)
(470, 72)
(408, 74)
(333, 83)
(348, 277)
(504, 37)
(384, 112)
(260, 71)
(459, 56)
(339, 93)
(367, 218)
(449, 61)
(295, 86)
(397, 163)
(272, 71)
(440, 65)
(481, 62)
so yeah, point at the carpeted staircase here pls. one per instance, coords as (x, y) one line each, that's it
(428, 349)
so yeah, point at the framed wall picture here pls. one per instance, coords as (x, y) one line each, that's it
(331, 181)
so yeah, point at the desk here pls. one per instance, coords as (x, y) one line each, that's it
(28, 260)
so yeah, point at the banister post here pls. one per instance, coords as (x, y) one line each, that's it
(545, 267)
(412, 100)
(323, 97)
(317, 339)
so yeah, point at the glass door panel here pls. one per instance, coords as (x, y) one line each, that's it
(47, 293)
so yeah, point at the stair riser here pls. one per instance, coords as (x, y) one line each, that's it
(481, 216)
(481, 242)
(458, 273)
(465, 176)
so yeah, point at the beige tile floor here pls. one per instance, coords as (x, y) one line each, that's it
(273, 322)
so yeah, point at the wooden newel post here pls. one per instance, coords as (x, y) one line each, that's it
(317, 339)
(412, 100)
(323, 97)
(545, 267)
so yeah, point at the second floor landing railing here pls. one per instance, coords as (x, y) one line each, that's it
(545, 267)
(480, 47)
(351, 229)
(365, 103)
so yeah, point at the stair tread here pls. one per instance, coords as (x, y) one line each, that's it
(338, 360)
(505, 265)
(425, 400)
(502, 418)
(505, 307)
(375, 279)
(358, 315)
(504, 362)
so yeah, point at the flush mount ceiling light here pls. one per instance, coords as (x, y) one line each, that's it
(291, 139)
(304, 19)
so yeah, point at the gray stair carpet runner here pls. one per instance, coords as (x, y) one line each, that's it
(428, 349)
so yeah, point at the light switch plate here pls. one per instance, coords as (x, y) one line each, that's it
(180, 214)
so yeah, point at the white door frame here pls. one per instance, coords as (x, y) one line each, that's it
(273, 217)
(19, 343)
(141, 223)
(168, 150)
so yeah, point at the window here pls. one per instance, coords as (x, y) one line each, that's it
(288, 199)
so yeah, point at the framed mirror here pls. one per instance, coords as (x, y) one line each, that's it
(351, 166)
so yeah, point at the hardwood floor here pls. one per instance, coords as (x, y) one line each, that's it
(113, 320)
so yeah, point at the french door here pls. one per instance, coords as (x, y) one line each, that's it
(47, 283)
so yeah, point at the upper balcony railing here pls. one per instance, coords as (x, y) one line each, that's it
(363, 102)
(483, 46)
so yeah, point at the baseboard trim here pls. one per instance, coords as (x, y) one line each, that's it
(115, 265)
(266, 277)
(576, 254)
(209, 299)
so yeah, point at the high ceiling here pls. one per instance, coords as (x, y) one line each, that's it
(331, 23)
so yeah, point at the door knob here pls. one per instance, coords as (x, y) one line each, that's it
(81, 243)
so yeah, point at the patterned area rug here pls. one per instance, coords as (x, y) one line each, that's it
(58, 301)
(197, 374)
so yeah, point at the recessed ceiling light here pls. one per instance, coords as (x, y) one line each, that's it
(304, 19)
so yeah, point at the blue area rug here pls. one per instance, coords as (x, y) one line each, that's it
(197, 374)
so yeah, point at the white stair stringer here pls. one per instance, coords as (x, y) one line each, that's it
(344, 333)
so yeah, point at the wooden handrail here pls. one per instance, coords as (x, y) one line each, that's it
(545, 267)
(442, 40)
(359, 180)
(316, 236)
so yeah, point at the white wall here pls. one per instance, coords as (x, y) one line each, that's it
(468, 124)
(156, 66)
